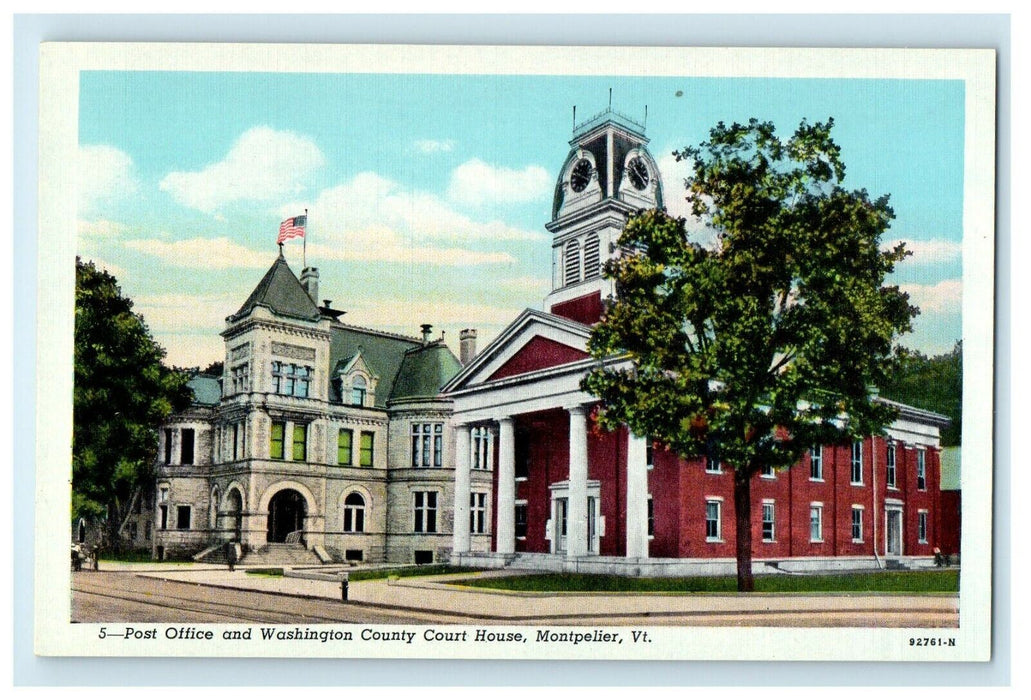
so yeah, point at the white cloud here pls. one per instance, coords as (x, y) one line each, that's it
(931, 252)
(202, 253)
(434, 146)
(101, 229)
(187, 313)
(675, 198)
(943, 297)
(105, 174)
(262, 165)
(372, 218)
(475, 183)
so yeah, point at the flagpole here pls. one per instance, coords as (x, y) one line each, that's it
(304, 254)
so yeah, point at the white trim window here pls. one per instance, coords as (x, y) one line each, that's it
(921, 526)
(481, 446)
(712, 460)
(651, 518)
(427, 444)
(290, 379)
(477, 513)
(816, 522)
(857, 462)
(768, 472)
(425, 511)
(769, 521)
(354, 512)
(890, 472)
(921, 470)
(713, 521)
(816, 463)
(857, 523)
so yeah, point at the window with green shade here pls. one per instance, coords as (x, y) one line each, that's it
(276, 444)
(365, 449)
(300, 443)
(344, 440)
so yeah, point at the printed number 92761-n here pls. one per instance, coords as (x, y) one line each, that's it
(932, 641)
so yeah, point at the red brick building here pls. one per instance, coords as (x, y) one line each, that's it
(571, 496)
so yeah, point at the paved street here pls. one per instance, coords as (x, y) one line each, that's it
(207, 594)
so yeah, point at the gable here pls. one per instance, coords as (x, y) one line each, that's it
(538, 353)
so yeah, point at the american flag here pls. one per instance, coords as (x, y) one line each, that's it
(292, 228)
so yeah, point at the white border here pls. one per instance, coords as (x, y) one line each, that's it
(59, 66)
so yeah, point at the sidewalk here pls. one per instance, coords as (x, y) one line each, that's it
(432, 594)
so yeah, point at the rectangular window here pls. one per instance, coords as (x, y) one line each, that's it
(521, 513)
(891, 465)
(423, 556)
(857, 524)
(163, 517)
(276, 440)
(354, 555)
(277, 377)
(300, 446)
(857, 462)
(921, 526)
(182, 517)
(921, 470)
(425, 511)
(240, 379)
(344, 439)
(168, 445)
(365, 449)
(651, 517)
(816, 523)
(712, 521)
(649, 455)
(236, 439)
(712, 461)
(303, 385)
(481, 448)
(769, 522)
(427, 444)
(186, 446)
(477, 513)
(291, 380)
(816, 463)
(768, 472)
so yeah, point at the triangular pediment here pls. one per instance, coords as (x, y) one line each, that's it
(533, 342)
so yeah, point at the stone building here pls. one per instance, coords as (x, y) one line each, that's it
(321, 441)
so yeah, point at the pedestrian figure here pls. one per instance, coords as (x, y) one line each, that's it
(232, 554)
(76, 558)
(96, 558)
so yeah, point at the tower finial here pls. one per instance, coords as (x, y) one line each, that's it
(281, 251)
(574, 117)
(610, 98)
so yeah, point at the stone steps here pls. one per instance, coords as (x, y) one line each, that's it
(280, 555)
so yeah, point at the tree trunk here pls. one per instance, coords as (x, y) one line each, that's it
(743, 522)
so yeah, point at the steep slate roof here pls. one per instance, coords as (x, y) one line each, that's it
(424, 371)
(382, 352)
(280, 291)
(206, 389)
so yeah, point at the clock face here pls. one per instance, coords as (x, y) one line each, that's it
(581, 175)
(637, 171)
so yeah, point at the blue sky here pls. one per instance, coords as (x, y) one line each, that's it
(428, 194)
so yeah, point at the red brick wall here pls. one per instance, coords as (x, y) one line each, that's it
(586, 309)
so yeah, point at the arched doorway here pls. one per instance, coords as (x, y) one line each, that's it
(234, 514)
(286, 513)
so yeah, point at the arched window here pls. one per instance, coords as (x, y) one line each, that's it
(354, 513)
(572, 262)
(592, 259)
(358, 391)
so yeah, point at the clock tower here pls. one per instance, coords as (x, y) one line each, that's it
(607, 176)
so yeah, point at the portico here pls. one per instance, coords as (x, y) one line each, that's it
(549, 460)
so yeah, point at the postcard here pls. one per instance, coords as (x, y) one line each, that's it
(371, 351)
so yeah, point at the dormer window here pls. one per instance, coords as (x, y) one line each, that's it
(359, 389)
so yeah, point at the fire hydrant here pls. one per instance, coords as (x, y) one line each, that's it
(344, 585)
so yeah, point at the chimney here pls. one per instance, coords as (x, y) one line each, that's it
(310, 282)
(466, 345)
(427, 328)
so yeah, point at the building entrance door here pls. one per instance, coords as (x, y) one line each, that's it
(286, 513)
(561, 524)
(893, 533)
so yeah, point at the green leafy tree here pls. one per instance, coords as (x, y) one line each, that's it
(122, 394)
(934, 383)
(766, 343)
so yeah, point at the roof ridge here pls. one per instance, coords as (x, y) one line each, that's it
(385, 334)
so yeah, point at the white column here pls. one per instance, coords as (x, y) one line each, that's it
(288, 440)
(460, 535)
(576, 543)
(506, 486)
(636, 497)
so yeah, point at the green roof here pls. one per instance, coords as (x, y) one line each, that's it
(281, 292)
(206, 389)
(424, 371)
(382, 352)
(950, 468)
